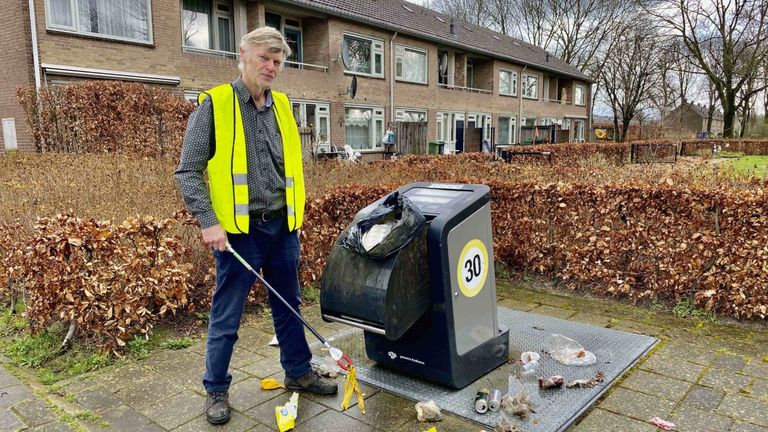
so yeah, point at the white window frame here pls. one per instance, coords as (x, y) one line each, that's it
(191, 96)
(525, 86)
(377, 126)
(399, 60)
(214, 30)
(583, 95)
(322, 112)
(400, 113)
(512, 128)
(513, 82)
(74, 29)
(377, 50)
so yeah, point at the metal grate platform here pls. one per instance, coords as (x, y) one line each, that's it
(556, 409)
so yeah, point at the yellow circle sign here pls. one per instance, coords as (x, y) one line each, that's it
(473, 268)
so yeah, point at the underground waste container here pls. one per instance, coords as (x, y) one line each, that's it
(427, 305)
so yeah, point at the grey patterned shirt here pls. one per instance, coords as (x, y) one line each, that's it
(264, 149)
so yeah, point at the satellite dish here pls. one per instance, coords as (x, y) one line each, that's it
(353, 88)
(443, 66)
(345, 54)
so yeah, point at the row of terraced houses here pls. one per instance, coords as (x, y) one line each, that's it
(411, 64)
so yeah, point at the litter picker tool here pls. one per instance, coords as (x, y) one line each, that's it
(341, 359)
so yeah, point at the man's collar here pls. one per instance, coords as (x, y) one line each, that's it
(244, 94)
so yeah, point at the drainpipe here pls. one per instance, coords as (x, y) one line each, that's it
(520, 109)
(35, 55)
(392, 78)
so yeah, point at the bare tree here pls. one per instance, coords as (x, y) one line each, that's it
(629, 73)
(725, 35)
(471, 11)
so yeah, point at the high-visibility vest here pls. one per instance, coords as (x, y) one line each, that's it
(228, 168)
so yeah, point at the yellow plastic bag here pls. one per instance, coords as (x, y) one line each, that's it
(286, 414)
(432, 429)
(270, 384)
(351, 386)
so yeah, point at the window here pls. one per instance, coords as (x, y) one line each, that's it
(366, 56)
(530, 86)
(315, 116)
(440, 132)
(411, 64)
(578, 95)
(191, 96)
(442, 67)
(406, 115)
(291, 30)
(363, 127)
(507, 127)
(129, 20)
(208, 24)
(508, 83)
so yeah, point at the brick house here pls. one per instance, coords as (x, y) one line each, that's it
(411, 64)
(690, 119)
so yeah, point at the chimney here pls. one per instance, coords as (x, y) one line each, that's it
(547, 56)
(451, 26)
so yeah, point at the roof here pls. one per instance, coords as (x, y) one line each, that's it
(703, 111)
(418, 21)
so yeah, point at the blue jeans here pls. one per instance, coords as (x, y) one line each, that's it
(268, 246)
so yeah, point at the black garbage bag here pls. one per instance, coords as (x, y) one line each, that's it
(397, 212)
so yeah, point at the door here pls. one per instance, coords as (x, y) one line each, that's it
(459, 136)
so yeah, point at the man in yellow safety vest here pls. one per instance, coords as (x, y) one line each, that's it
(244, 134)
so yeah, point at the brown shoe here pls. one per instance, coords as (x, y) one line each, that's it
(311, 383)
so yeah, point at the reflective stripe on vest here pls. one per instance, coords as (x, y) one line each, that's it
(228, 168)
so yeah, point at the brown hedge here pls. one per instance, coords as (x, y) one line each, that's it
(106, 116)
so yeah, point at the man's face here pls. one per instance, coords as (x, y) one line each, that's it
(260, 66)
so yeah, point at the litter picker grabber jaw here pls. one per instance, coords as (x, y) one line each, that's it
(341, 359)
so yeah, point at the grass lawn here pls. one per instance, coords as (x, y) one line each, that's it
(756, 165)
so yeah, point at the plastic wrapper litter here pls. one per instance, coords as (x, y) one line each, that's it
(428, 411)
(568, 351)
(386, 228)
(286, 414)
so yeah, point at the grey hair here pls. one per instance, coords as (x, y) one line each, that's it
(267, 36)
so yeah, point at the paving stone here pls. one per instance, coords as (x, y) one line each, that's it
(674, 368)
(76, 386)
(237, 423)
(657, 385)
(10, 396)
(331, 420)
(759, 389)
(259, 428)
(688, 418)
(6, 379)
(147, 391)
(596, 320)
(34, 412)
(265, 412)
(269, 352)
(385, 411)
(552, 311)
(175, 411)
(264, 367)
(637, 405)
(125, 419)
(511, 303)
(691, 352)
(637, 327)
(745, 408)
(97, 399)
(56, 426)
(747, 427)
(729, 362)
(600, 420)
(247, 394)
(179, 360)
(242, 357)
(756, 368)
(10, 422)
(704, 398)
(728, 381)
(252, 339)
(112, 378)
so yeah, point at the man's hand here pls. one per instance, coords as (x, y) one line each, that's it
(215, 237)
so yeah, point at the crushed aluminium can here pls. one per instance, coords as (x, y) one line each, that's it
(481, 401)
